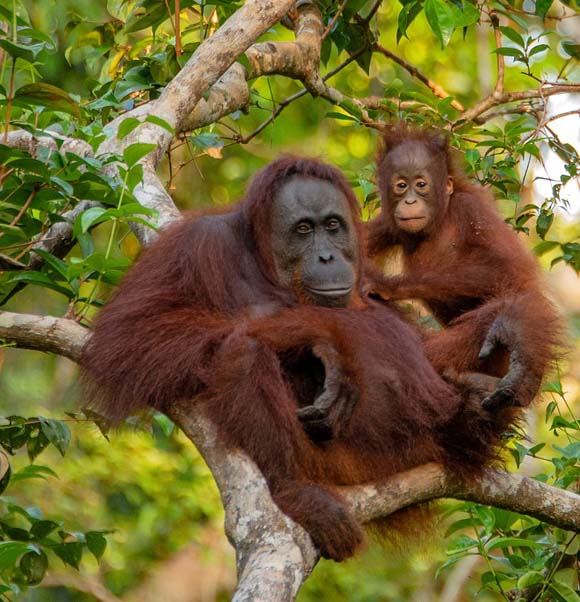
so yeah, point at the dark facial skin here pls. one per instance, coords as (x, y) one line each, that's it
(417, 180)
(314, 241)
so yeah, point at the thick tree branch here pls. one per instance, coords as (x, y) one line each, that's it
(43, 333)
(50, 140)
(275, 555)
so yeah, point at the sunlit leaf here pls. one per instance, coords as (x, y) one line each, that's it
(542, 7)
(441, 19)
(135, 152)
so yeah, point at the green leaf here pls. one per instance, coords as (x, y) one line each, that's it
(506, 51)
(161, 123)
(544, 222)
(449, 563)
(57, 432)
(554, 387)
(562, 423)
(513, 35)
(465, 16)
(441, 20)
(462, 524)
(40, 529)
(135, 152)
(207, 140)
(47, 95)
(58, 265)
(407, 15)
(162, 425)
(70, 553)
(42, 280)
(542, 7)
(35, 446)
(10, 552)
(96, 544)
(88, 218)
(563, 592)
(537, 49)
(127, 126)
(529, 579)
(516, 542)
(5, 471)
(26, 52)
(341, 116)
(33, 566)
(33, 471)
(30, 165)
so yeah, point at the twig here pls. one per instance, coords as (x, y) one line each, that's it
(178, 49)
(373, 11)
(334, 20)
(290, 99)
(498, 90)
(545, 90)
(435, 88)
(281, 106)
(560, 115)
(22, 209)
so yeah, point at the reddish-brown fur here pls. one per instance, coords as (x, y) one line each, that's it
(201, 315)
(469, 268)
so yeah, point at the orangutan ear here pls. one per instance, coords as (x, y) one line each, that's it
(449, 185)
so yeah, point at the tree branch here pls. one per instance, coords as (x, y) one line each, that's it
(43, 333)
(274, 554)
(493, 100)
(48, 140)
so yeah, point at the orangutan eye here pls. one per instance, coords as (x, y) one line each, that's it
(401, 185)
(421, 183)
(333, 225)
(304, 228)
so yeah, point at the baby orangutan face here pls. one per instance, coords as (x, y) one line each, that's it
(418, 186)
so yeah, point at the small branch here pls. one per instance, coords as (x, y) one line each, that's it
(498, 91)
(23, 209)
(560, 115)
(435, 88)
(334, 19)
(373, 11)
(545, 90)
(281, 106)
(9, 264)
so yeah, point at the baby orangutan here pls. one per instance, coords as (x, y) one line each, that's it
(465, 263)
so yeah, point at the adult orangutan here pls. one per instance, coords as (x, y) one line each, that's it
(257, 314)
(465, 263)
